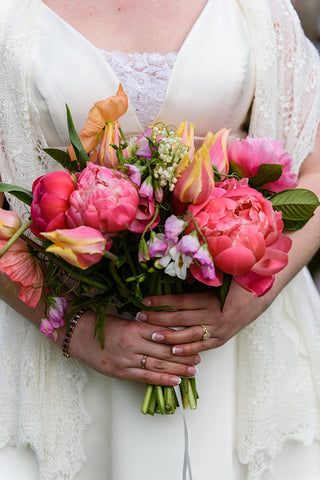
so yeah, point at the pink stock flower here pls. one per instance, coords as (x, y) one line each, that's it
(244, 235)
(51, 194)
(56, 311)
(81, 246)
(134, 174)
(46, 327)
(146, 189)
(173, 227)
(143, 143)
(248, 154)
(10, 222)
(157, 245)
(23, 268)
(102, 200)
(145, 214)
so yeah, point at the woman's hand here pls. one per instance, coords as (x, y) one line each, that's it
(126, 342)
(194, 310)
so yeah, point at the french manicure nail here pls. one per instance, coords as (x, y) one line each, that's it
(197, 360)
(192, 370)
(141, 316)
(175, 380)
(146, 302)
(157, 336)
(176, 350)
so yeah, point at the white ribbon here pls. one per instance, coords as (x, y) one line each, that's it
(186, 460)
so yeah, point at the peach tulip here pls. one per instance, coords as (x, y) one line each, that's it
(81, 246)
(217, 145)
(107, 110)
(195, 181)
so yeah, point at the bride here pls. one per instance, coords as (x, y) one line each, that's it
(212, 62)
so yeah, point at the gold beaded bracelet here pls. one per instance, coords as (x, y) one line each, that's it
(73, 324)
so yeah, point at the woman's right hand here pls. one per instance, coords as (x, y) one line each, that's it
(125, 344)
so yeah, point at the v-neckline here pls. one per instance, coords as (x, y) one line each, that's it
(172, 73)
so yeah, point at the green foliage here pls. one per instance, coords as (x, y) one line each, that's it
(266, 173)
(20, 193)
(81, 154)
(297, 206)
(63, 158)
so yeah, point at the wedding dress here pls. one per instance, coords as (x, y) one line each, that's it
(259, 393)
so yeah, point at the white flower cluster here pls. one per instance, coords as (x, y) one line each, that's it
(171, 150)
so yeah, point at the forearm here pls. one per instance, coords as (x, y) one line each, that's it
(9, 292)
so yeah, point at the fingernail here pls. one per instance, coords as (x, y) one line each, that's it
(175, 380)
(147, 302)
(197, 360)
(176, 350)
(157, 336)
(192, 370)
(141, 316)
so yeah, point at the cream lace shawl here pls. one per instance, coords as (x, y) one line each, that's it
(286, 106)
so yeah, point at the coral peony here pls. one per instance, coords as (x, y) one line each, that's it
(102, 200)
(51, 194)
(243, 234)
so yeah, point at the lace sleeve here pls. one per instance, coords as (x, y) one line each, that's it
(287, 99)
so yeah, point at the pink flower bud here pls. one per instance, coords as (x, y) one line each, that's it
(10, 222)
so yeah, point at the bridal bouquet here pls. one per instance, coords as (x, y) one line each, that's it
(131, 217)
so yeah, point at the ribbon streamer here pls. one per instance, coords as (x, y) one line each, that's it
(186, 460)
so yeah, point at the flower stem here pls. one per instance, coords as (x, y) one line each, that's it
(147, 398)
(160, 399)
(15, 237)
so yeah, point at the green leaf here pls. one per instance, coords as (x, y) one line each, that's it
(267, 173)
(296, 205)
(79, 151)
(20, 193)
(235, 168)
(293, 226)
(63, 158)
(224, 289)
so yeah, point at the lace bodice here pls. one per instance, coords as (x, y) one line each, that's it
(144, 77)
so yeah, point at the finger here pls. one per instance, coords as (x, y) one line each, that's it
(200, 346)
(157, 365)
(164, 352)
(187, 335)
(152, 377)
(183, 318)
(190, 301)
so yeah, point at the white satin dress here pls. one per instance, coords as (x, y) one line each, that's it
(120, 443)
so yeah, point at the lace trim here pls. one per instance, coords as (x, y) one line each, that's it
(144, 77)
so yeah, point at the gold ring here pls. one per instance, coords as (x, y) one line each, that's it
(206, 334)
(143, 362)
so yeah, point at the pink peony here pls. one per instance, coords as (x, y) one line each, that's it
(145, 215)
(22, 268)
(250, 153)
(51, 194)
(243, 234)
(102, 200)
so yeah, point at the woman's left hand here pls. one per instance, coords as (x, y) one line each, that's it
(201, 312)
